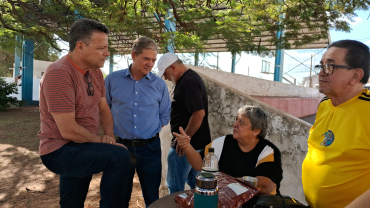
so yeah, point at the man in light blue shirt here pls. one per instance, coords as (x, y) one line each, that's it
(140, 106)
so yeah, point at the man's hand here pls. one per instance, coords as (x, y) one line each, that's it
(107, 139)
(110, 140)
(183, 141)
(119, 144)
(179, 151)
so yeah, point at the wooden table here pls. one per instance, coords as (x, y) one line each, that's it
(166, 201)
(169, 202)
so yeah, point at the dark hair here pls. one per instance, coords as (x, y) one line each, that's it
(143, 43)
(257, 117)
(82, 30)
(357, 55)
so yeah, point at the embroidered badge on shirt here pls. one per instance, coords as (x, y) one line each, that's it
(329, 138)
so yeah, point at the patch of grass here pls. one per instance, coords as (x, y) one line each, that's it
(19, 127)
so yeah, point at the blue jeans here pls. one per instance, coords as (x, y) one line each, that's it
(147, 162)
(77, 162)
(179, 171)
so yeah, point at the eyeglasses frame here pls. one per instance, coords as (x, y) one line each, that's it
(327, 66)
(90, 87)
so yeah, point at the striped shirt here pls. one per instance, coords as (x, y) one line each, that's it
(63, 90)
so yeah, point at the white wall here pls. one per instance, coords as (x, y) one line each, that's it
(315, 81)
(39, 68)
(258, 87)
(35, 89)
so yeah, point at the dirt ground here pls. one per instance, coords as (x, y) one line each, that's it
(24, 180)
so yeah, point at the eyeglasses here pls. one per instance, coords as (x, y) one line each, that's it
(88, 80)
(329, 68)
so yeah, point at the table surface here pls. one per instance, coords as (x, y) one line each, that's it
(166, 201)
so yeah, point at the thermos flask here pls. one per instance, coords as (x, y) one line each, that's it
(206, 191)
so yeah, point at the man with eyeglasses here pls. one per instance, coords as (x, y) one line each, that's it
(336, 169)
(72, 105)
(140, 106)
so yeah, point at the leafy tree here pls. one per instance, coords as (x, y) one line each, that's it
(5, 90)
(243, 25)
(6, 60)
(8, 44)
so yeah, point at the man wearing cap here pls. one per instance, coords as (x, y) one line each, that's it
(140, 105)
(189, 110)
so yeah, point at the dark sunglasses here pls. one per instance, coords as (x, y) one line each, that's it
(88, 80)
(329, 68)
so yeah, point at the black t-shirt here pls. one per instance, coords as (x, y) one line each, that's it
(237, 163)
(190, 95)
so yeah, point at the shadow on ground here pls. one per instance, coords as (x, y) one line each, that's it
(24, 181)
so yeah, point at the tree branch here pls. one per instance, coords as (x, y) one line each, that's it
(183, 24)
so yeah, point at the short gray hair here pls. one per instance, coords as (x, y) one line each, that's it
(257, 117)
(143, 43)
(177, 62)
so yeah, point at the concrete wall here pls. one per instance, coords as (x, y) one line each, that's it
(288, 133)
(166, 136)
(258, 87)
(298, 106)
(315, 81)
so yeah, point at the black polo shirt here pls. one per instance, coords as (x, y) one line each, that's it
(190, 95)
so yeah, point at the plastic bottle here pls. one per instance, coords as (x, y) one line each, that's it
(210, 161)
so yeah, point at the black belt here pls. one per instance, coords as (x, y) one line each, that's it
(137, 142)
(173, 144)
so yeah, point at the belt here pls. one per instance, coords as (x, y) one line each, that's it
(173, 144)
(137, 142)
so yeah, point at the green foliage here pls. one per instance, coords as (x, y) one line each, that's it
(8, 45)
(5, 90)
(244, 25)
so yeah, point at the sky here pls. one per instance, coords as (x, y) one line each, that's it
(252, 65)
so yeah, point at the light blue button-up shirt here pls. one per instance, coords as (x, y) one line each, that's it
(139, 108)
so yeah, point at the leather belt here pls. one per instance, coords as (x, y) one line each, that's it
(173, 144)
(137, 142)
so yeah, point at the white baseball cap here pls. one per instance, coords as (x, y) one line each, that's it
(165, 61)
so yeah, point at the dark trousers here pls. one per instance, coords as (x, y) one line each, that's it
(76, 162)
(147, 162)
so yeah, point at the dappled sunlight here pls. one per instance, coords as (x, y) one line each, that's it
(25, 179)
(2, 196)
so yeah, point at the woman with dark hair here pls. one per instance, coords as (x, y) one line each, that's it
(246, 152)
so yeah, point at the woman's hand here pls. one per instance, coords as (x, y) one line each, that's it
(265, 185)
(183, 144)
(183, 140)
